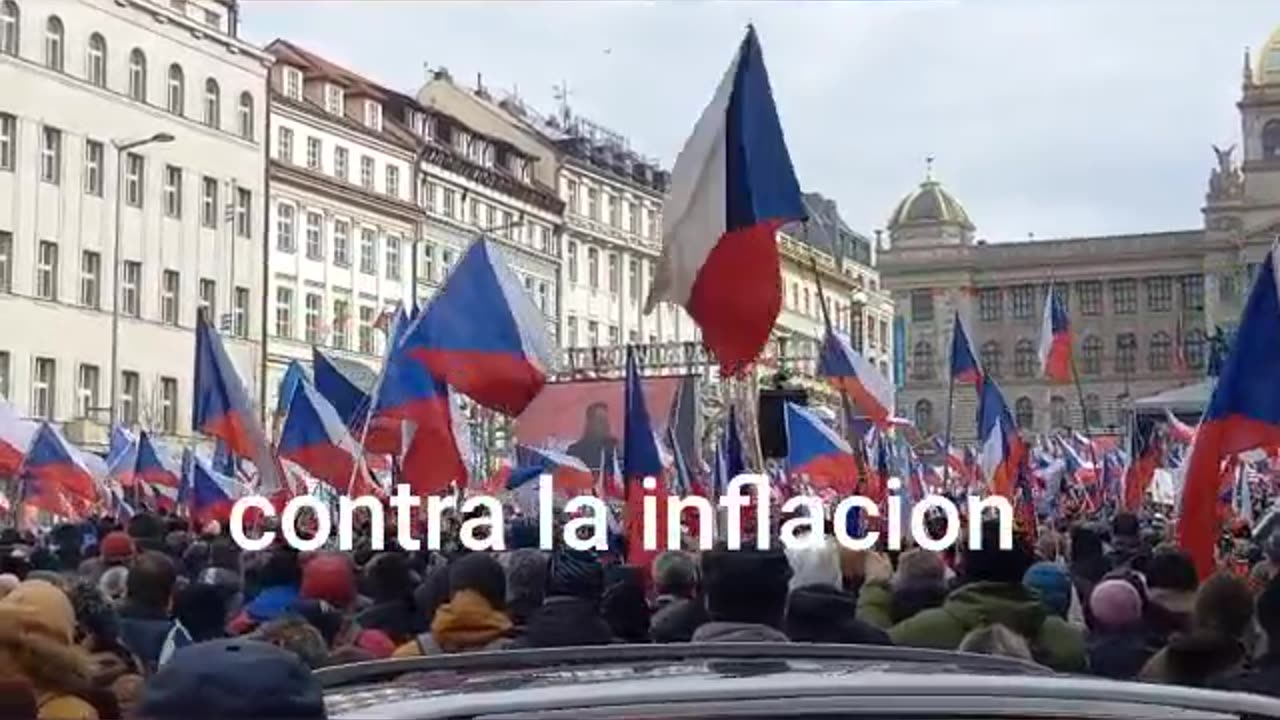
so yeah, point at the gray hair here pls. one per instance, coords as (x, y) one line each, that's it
(114, 583)
(675, 572)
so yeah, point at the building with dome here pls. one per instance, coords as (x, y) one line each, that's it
(1144, 307)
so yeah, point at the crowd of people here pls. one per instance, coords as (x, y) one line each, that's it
(150, 619)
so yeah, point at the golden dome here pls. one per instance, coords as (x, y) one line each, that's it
(929, 204)
(1268, 63)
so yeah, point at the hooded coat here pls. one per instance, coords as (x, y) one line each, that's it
(37, 627)
(823, 614)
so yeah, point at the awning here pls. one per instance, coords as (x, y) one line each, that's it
(1188, 399)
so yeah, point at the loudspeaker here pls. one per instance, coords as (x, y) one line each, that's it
(773, 431)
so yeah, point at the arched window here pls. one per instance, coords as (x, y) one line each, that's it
(1059, 414)
(1160, 352)
(1126, 353)
(922, 361)
(1093, 410)
(53, 43)
(1024, 359)
(245, 113)
(212, 103)
(1024, 413)
(138, 75)
(96, 60)
(177, 89)
(9, 20)
(1091, 356)
(924, 416)
(1271, 140)
(1193, 349)
(991, 358)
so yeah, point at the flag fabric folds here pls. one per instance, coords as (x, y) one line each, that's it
(847, 369)
(732, 187)
(347, 398)
(640, 460)
(1055, 339)
(816, 452)
(292, 376)
(1144, 454)
(315, 438)
(964, 364)
(1243, 414)
(569, 474)
(16, 434)
(53, 466)
(157, 471)
(999, 447)
(207, 493)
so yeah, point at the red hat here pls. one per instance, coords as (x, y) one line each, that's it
(376, 643)
(329, 577)
(116, 546)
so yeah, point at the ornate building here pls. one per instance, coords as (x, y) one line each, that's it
(1143, 307)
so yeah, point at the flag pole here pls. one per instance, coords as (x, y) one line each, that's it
(855, 442)
(1075, 378)
(951, 399)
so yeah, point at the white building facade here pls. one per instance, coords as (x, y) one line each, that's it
(80, 78)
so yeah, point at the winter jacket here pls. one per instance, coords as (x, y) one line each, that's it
(1198, 659)
(143, 631)
(565, 621)
(464, 624)
(823, 614)
(1263, 678)
(37, 625)
(677, 620)
(270, 604)
(910, 599)
(1167, 613)
(719, 631)
(1118, 655)
(399, 619)
(1053, 642)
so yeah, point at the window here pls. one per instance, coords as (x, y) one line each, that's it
(87, 384)
(284, 312)
(94, 155)
(1124, 296)
(244, 215)
(334, 99)
(368, 251)
(991, 357)
(1159, 294)
(633, 279)
(652, 218)
(1062, 292)
(212, 19)
(1024, 358)
(366, 330)
(446, 261)
(393, 258)
(924, 416)
(614, 277)
(1091, 356)
(209, 202)
(340, 158)
(447, 204)
(286, 240)
(177, 90)
(169, 405)
(172, 191)
(293, 83)
(43, 388)
(393, 181)
(593, 203)
(429, 260)
(1090, 294)
(614, 337)
(9, 32)
(130, 282)
(807, 307)
(1227, 287)
(615, 210)
(240, 312)
(341, 243)
(96, 63)
(428, 195)
(245, 113)
(922, 361)
(1092, 410)
(284, 145)
(314, 148)
(572, 331)
(543, 294)
(366, 172)
(1023, 299)
(138, 75)
(134, 179)
(1126, 352)
(4, 375)
(209, 299)
(1192, 292)
(47, 271)
(311, 318)
(921, 305)
(572, 252)
(1193, 346)
(1059, 412)
(315, 245)
(1160, 353)
(131, 389)
(1270, 136)
(372, 115)
(53, 44)
(990, 304)
(490, 217)
(593, 333)
(593, 268)
(8, 140)
(51, 155)
(91, 279)
(1024, 413)
(341, 309)
(633, 218)
(6, 261)
(571, 195)
(169, 293)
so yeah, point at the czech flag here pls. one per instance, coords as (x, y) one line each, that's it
(156, 469)
(1000, 449)
(640, 460)
(569, 474)
(482, 335)
(315, 438)
(1179, 430)
(54, 465)
(293, 375)
(220, 408)
(347, 398)
(732, 187)
(208, 494)
(964, 365)
(1055, 339)
(848, 370)
(816, 452)
(1145, 454)
(1243, 414)
(16, 434)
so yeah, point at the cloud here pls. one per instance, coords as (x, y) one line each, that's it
(1062, 119)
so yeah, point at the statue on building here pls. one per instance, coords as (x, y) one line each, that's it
(1226, 181)
(1217, 352)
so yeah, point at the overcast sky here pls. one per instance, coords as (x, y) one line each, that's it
(1054, 118)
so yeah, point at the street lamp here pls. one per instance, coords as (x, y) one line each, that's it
(121, 148)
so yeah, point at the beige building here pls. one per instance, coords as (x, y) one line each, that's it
(1143, 307)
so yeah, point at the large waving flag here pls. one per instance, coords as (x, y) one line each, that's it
(732, 187)
(999, 446)
(570, 475)
(207, 493)
(640, 460)
(293, 375)
(349, 400)
(158, 470)
(964, 364)
(1055, 339)
(220, 408)
(1145, 457)
(817, 452)
(314, 437)
(52, 462)
(857, 377)
(482, 334)
(16, 434)
(1243, 414)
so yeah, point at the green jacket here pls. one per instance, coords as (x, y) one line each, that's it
(1053, 641)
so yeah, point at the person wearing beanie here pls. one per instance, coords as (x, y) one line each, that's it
(990, 591)
(818, 608)
(1263, 676)
(329, 577)
(1051, 582)
(391, 583)
(746, 595)
(37, 646)
(570, 614)
(1171, 591)
(1220, 617)
(1117, 644)
(116, 549)
(473, 619)
(526, 570)
(116, 672)
(679, 608)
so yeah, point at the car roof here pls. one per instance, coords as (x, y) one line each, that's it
(581, 680)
